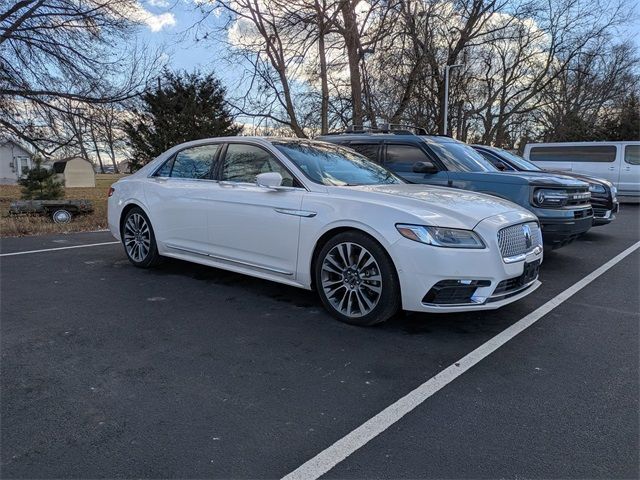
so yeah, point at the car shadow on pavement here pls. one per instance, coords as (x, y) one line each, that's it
(404, 323)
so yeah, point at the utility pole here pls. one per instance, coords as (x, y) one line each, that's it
(446, 94)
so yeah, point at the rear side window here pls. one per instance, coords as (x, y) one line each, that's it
(369, 150)
(400, 158)
(573, 153)
(195, 162)
(632, 154)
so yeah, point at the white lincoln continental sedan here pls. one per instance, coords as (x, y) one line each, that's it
(318, 216)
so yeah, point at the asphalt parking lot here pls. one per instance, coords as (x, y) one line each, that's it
(192, 372)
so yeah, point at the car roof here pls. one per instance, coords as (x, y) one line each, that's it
(406, 137)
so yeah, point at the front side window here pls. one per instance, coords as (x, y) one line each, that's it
(243, 163)
(460, 157)
(165, 169)
(401, 158)
(632, 154)
(329, 164)
(573, 153)
(194, 162)
(495, 161)
(518, 160)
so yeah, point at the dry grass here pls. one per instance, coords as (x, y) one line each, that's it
(14, 226)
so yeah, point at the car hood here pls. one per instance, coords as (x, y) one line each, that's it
(545, 179)
(439, 206)
(584, 178)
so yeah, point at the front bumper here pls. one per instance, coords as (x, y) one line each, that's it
(605, 206)
(558, 234)
(604, 216)
(422, 267)
(562, 226)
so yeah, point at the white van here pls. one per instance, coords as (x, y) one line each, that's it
(618, 162)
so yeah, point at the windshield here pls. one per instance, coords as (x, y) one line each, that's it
(460, 157)
(517, 160)
(332, 165)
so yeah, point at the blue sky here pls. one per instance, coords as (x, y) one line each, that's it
(171, 20)
(177, 40)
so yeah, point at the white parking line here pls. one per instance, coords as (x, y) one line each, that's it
(329, 458)
(57, 248)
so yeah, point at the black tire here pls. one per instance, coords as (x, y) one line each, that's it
(151, 257)
(356, 282)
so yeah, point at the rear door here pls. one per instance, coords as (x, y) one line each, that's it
(179, 194)
(629, 180)
(401, 157)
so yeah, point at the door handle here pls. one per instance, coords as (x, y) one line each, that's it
(611, 168)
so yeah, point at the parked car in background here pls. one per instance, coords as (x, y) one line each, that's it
(560, 203)
(315, 215)
(617, 162)
(603, 193)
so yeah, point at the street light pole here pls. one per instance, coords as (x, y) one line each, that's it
(446, 94)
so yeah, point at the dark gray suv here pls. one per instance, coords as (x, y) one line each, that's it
(560, 203)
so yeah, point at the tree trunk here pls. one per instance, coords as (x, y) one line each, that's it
(96, 148)
(324, 83)
(352, 45)
(368, 97)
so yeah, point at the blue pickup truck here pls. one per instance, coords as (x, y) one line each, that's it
(562, 204)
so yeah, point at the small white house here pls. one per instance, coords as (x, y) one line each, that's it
(75, 172)
(14, 161)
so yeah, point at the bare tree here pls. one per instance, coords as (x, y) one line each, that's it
(52, 51)
(587, 91)
(515, 76)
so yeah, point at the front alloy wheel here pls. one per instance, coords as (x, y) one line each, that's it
(356, 280)
(138, 239)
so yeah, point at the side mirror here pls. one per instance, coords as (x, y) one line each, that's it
(501, 166)
(424, 167)
(271, 180)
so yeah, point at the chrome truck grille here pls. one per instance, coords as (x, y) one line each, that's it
(518, 240)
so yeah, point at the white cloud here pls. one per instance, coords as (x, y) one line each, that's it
(158, 3)
(155, 22)
(158, 22)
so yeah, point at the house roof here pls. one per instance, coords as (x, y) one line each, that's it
(20, 145)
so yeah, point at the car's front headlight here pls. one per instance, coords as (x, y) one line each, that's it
(597, 188)
(544, 197)
(441, 236)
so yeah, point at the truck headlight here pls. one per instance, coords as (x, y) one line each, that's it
(597, 188)
(441, 236)
(544, 197)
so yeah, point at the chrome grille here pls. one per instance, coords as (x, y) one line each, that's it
(513, 240)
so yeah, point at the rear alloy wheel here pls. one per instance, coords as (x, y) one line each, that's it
(139, 240)
(356, 280)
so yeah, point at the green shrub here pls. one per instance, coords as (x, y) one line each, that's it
(40, 183)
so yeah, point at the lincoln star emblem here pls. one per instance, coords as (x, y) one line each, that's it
(526, 229)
